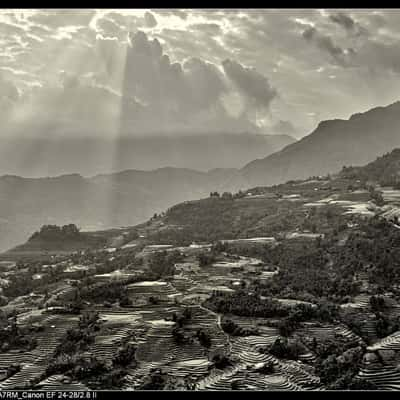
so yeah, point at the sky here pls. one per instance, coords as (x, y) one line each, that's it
(144, 72)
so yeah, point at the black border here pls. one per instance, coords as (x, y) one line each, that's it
(191, 4)
(113, 394)
(200, 4)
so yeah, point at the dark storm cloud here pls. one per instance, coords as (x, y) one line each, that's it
(343, 20)
(373, 53)
(326, 43)
(348, 23)
(251, 83)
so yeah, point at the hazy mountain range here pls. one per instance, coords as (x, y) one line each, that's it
(38, 157)
(132, 196)
(103, 201)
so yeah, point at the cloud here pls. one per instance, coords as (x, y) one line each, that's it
(9, 95)
(8, 91)
(326, 44)
(108, 27)
(58, 18)
(151, 77)
(176, 92)
(177, 13)
(178, 81)
(69, 81)
(209, 28)
(134, 88)
(369, 53)
(284, 128)
(150, 20)
(377, 56)
(74, 108)
(204, 81)
(348, 23)
(250, 83)
(343, 20)
(128, 88)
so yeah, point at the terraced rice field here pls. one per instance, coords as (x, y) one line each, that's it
(160, 351)
(105, 345)
(365, 208)
(60, 382)
(289, 374)
(34, 363)
(320, 332)
(361, 301)
(390, 195)
(150, 328)
(153, 288)
(391, 342)
(386, 378)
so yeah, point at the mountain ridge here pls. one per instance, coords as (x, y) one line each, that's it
(129, 197)
(331, 145)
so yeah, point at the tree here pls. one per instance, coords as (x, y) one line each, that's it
(204, 338)
(12, 370)
(70, 230)
(125, 301)
(227, 196)
(156, 380)
(377, 303)
(3, 301)
(206, 259)
(235, 385)
(221, 361)
(179, 336)
(162, 264)
(154, 300)
(283, 348)
(125, 355)
(382, 326)
(228, 326)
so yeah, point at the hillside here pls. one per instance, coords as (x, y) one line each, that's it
(269, 213)
(298, 205)
(55, 239)
(331, 146)
(385, 170)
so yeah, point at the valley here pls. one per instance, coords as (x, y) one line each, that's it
(211, 294)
